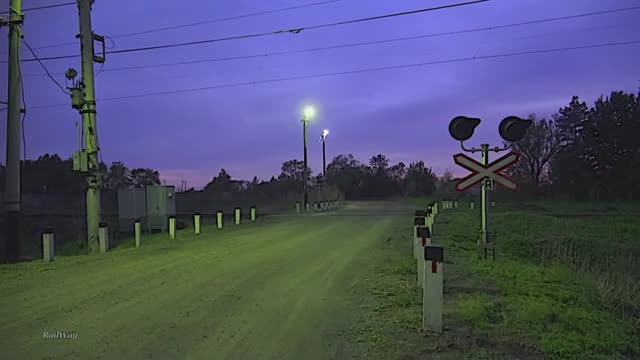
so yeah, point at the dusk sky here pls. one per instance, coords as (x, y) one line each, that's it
(251, 130)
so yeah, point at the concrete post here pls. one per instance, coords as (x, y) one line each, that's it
(455, 204)
(253, 213)
(418, 221)
(137, 232)
(306, 207)
(172, 227)
(103, 237)
(432, 293)
(472, 205)
(298, 207)
(219, 219)
(196, 223)
(423, 239)
(48, 253)
(493, 203)
(237, 216)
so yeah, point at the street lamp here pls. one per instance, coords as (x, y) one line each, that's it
(511, 129)
(324, 154)
(308, 113)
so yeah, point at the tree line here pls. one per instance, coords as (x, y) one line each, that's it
(579, 153)
(582, 152)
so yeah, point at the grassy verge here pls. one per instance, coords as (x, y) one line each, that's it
(516, 307)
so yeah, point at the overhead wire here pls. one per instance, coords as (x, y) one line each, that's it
(366, 43)
(143, 32)
(45, 68)
(359, 71)
(269, 33)
(46, 7)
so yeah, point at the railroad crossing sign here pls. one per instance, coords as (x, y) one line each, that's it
(492, 171)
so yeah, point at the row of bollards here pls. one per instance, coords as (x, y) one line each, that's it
(318, 206)
(48, 253)
(430, 259)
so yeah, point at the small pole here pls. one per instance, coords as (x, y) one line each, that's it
(433, 288)
(237, 216)
(137, 232)
(47, 245)
(196, 223)
(253, 213)
(455, 204)
(103, 237)
(472, 205)
(298, 207)
(172, 227)
(306, 207)
(423, 239)
(219, 219)
(485, 202)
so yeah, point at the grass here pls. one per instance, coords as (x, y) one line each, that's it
(550, 293)
(532, 303)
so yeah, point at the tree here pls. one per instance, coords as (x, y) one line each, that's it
(569, 170)
(346, 173)
(539, 145)
(293, 171)
(398, 175)
(142, 177)
(379, 164)
(49, 173)
(118, 177)
(611, 146)
(220, 183)
(420, 181)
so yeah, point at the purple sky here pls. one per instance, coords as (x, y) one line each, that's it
(251, 130)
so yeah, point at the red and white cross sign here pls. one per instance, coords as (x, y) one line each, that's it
(491, 171)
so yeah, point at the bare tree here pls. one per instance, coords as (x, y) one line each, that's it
(537, 148)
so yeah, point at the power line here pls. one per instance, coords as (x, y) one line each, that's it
(365, 43)
(45, 68)
(359, 71)
(143, 32)
(293, 31)
(46, 7)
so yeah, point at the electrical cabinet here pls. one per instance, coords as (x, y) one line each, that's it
(161, 203)
(152, 205)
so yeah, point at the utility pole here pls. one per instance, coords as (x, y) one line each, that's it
(306, 175)
(83, 99)
(485, 201)
(12, 205)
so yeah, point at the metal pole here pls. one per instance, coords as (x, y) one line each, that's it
(12, 199)
(306, 175)
(88, 112)
(485, 201)
(324, 158)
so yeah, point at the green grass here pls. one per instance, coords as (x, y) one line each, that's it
(549, 298)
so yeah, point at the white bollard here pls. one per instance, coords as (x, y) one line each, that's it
(137, 232)
(432, 293)
(48, 253)
(298, 207)
(423, 239)
(103, 237)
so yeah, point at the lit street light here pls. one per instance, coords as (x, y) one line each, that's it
(308, 113)
(324, 154)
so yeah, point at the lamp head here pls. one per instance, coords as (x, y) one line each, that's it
(461, 127)
(309, 112)
(513, 128)
(325, 133)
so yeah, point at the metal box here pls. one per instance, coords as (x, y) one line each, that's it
(161, 203)
(132, 205)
